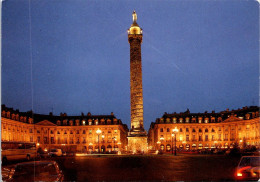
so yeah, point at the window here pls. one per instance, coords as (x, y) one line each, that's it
(58, 140)
(71, 141)
(226, 136)
(58, 132)
(212, 130)
(115, 131)
(84, 140)
(213, 137)
(30, 130)
(83, 123)
(96, 122)
(84, 132)
(174, 120)
(219, 136)
(51, 132)
(52, 140)
(38, 131)
(181, 137)
(90, 123)
(193, 130)
(45, 140)
(65, 132)
(200, 138)
(90, 131)
(180, 129)
(206, 120)
(180, 120)
(78, 140)
(206, 130)
(206, 137)
(77, 131)
(187, 129)
(31, 138)
(200, 130)
(71, 132)
(39, 139)
(168, 129)
(193, 137)
(161, 129)
(187, 138)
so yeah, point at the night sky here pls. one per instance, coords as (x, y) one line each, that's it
(73, 56)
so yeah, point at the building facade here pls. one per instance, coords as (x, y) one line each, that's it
(206, 130)
(137, 138)
(71, 133)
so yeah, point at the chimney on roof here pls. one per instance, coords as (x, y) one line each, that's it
(213, 112)
(50, 113)
(65, 114)
(82, 114)
(206, 112)
(89, 114)
(112, 114)
(227, 109)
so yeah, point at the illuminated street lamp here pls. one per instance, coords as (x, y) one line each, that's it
(172, 142)
(98, 133)
(175, 131)
(114, 138)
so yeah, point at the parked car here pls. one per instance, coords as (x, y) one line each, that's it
(55, 152)
(248, 168)
(33, 171)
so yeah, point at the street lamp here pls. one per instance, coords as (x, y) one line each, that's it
(98, 133)
(172, 142)
(114, 138)
(175, 131)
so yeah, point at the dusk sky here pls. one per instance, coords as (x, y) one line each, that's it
(201, 55)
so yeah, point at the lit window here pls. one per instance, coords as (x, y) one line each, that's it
(90, 131)
(115, 131)
(83, 122)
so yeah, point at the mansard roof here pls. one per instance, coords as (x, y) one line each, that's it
(227, 115)
(43, 118)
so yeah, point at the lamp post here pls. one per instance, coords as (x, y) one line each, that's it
(158, 143)
(114, 138)
(172, 142)
(175, 131)
(98, 133)
(103, 137)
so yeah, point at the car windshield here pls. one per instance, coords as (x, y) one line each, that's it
(42, 172)
(250, 161)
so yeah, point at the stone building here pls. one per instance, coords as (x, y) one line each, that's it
(71, 133)
(205, 130)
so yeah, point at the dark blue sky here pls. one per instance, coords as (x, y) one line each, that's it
(201, 55)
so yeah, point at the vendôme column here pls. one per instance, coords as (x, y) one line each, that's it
(137, 138)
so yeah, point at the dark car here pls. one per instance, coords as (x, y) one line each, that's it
(33, 171)
(248, 168)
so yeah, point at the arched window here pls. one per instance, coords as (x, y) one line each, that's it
(200, 130)
(168, 147)
(193, 130)
(212, 130)
(206, 130)
(162, 147)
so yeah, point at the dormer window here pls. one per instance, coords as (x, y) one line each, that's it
(58, 122)
(71, 123)
(83, 122)
(77, 122)
(187, 120)
(174, 120)
(71, 132)
(181, 120)
(206, 120)
(65, 122)
(90, 123)
(96, 122)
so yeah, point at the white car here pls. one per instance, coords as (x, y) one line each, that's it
(55, 152)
